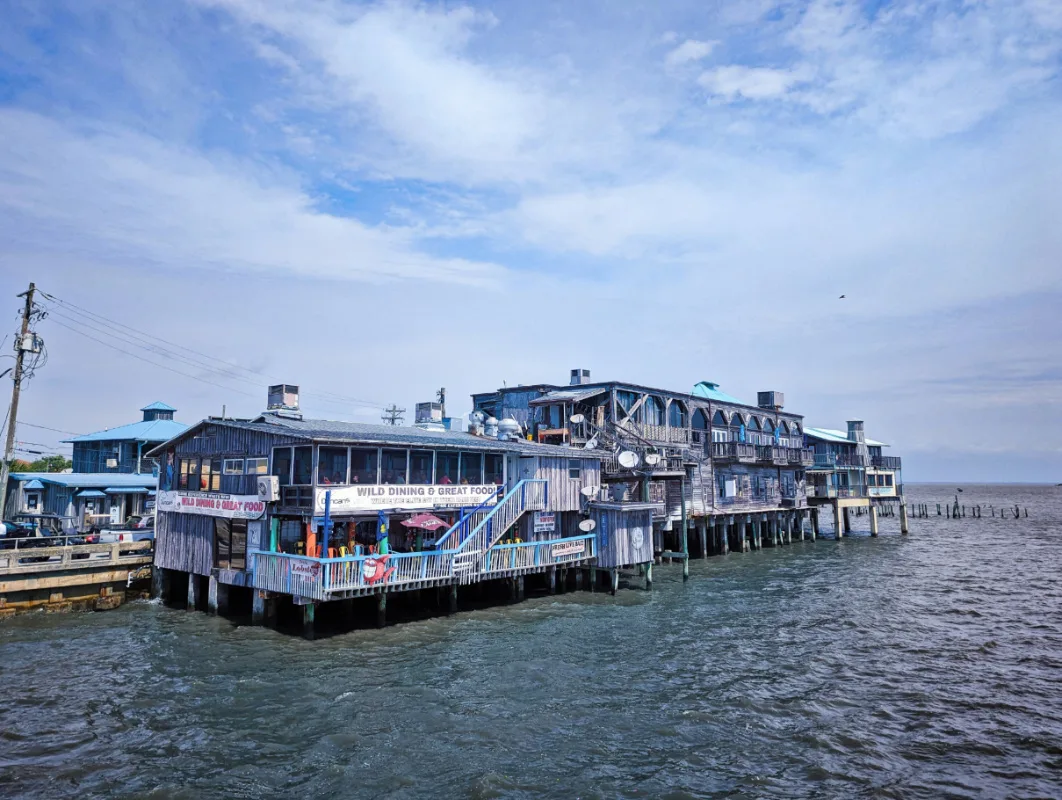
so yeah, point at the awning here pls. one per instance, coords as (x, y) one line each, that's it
(126, 490)
(34, 484)
(91, 493)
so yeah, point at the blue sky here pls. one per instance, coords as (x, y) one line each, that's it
(377, 199)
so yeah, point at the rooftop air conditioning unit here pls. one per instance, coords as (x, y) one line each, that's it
(268, 488)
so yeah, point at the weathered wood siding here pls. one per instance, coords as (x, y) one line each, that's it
(184, 542)
(616, 531)
(564, 492)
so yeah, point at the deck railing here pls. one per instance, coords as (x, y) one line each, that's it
(772, 455)
(467, 522)
(527, 495)
(801, 455)
(734, 450)
(830, 460)
(885, 462)
(526, 555)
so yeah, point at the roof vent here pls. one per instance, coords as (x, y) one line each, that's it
(580, 377)
(771, 400)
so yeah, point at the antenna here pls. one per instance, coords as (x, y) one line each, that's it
(628, 459)
(652, 459)
(587, 525)
(577, 419)
(393, 415)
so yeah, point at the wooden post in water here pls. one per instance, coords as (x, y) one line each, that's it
(453, 597)
(648, 577)
(308, 623)
(903, 517)
(258, 607)
(381, 609)
(553, 579)
(702, 528)
(614, 575)
(194, 592)
(814, 524)
(724, 540)
(873, 520)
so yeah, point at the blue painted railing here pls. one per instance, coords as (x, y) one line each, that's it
(468, 520)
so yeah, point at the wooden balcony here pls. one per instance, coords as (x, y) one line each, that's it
(885, 462)
(769, 454)
(802, 457)
(736, 452)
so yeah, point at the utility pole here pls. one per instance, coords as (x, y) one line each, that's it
(393, 415)
(12, 418)
(441, 394)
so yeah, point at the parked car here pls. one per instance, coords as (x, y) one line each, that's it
(38, 530)
(134, 529)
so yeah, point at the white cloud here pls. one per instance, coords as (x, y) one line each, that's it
(136, 199)
(752, 83)
(689, 50)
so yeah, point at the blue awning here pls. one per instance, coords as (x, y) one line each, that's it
(125, 490)
(91, 493)
(34, 484)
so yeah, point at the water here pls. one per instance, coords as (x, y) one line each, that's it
(923, 666)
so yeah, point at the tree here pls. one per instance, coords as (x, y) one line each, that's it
(50, 464)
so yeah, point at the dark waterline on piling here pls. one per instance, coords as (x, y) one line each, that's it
(921, 666)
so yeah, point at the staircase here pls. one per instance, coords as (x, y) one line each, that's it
(484, 526)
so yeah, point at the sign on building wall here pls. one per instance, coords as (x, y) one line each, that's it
(352, 499)
(568, 549)
(545, 521)
(212, 504)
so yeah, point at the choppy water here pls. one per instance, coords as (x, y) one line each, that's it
(924, 666)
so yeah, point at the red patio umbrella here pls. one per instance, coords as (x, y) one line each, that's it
(427, 522)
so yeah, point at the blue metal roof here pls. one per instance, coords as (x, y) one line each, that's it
(711, 391)
(830, 435)
(34, 484)
(90, 480)
(126, 490)
(91, 493)
(158, 430)
(158, 406)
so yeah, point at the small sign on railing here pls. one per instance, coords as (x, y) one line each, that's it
(567, 548)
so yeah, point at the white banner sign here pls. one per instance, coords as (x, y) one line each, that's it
(352, 499)
(567, 548)
(212, 504)
(545, 521)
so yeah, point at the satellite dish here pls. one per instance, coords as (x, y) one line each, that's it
(588, 491)
(652, 459)
(587, 525)
(628, 459)
(592, 444)
(576, 419)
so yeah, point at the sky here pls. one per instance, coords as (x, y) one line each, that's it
(375, 200)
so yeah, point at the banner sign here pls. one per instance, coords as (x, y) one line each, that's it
(306, 569)
(212, 504)
(568, 548)
(353, 499)
(545, 521)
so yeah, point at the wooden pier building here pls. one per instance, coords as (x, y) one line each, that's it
(850, 472)
(721, 473)
(280, 509)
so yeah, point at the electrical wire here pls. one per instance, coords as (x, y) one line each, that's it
(46, 428)
(100, 324)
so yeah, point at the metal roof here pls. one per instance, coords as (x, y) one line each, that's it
(711, 391)
(158, 406)
(156, 430)
(34, 484)
(567, 396)
(324, 430)
(89, 480)
(91, 493)
(830, 435)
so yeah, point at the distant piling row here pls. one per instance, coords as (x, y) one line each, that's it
(954, 510)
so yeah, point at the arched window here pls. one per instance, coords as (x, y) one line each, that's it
(795, 428)
(700, 420)
(754, 424)
(785, 427)
(768, 425)
(719, 420)
(736, 421)
(653, 411)
(676, 415)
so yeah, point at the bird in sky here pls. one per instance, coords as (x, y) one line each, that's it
(841, 297)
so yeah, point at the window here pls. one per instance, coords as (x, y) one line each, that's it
(653, 411)
(720, 435)
(210, 475)
(257, 466)
(363, 465)
(332, 465)
(233, 466)
(421, 467)
(302, 466)
(446, 468)
(493, 471)
(189, 470)
(676, 415)
(472, 468)
(575, 471)
(888, 480)
(393, 466)
(282, 465)
(230, 543)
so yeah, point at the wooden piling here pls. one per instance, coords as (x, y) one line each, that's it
(648, 576)
(308, 621)
(381, 610)
(873, 521)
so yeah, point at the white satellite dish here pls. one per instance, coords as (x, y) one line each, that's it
(652, 459)
(628, 459)
(576, 419)
(588, 491)
(590, 445)
(587, 525)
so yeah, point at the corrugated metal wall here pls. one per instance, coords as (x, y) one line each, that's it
(184, 542)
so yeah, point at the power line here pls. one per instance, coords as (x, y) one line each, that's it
(46, 428)
(155, 345)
